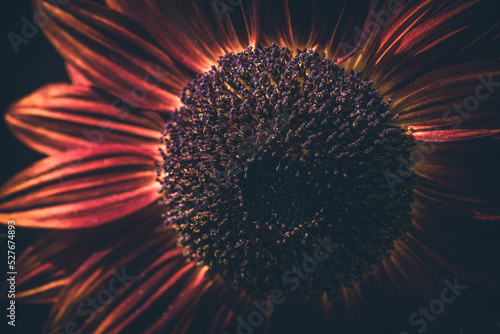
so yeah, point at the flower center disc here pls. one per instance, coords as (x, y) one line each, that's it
(275, 173)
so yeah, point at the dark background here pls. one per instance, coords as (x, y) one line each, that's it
(36, 64)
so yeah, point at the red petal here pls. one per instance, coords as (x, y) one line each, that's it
(437, 233)
(157, 274)
(59, 117)
(114, 53)
(76, 77)
(196, 33)
(46, 267)
(324, 26)
(430, 134)
(453, 103)
(427, 34)
(459, 176)
(109, 270)
(81, 188)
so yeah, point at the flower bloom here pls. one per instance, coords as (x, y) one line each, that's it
(264, 166)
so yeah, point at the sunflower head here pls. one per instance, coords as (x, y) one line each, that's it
(274, 152)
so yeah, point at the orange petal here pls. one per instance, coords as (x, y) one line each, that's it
(79, 188)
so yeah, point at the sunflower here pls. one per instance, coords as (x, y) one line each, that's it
(242, 166)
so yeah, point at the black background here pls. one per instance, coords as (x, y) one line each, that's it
(36, 64)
